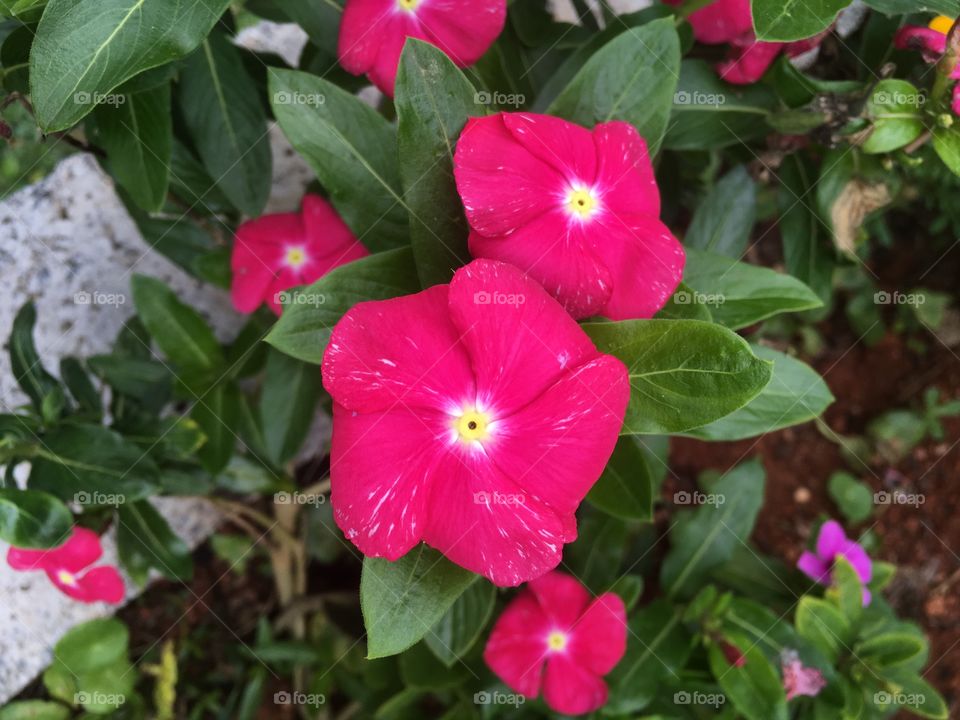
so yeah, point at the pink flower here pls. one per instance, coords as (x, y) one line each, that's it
(729, 22)
(553, 636)
(799, 680)
(833, 543)
(66, 566)
(577, 210)
(474, 416)
(931, 41)
(277, 252)
(372, 33)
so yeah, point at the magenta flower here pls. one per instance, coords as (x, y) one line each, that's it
(729, 22)
(372, 33)
(931, 41)
(474, 416)
(67, 567)
(577, 210)
(552, 636)
(831, 544)
(799, 680)
(277, 252)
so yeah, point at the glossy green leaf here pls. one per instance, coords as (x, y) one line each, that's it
(145, 541)
(946, 142)
(84, 49)
(31, 519)
(288, 400)
(25, 362)
(724, 218)
(787, 20)
(683, 373)
(626, 488)
(461, 626)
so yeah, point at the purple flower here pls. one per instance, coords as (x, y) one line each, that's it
(831, 544)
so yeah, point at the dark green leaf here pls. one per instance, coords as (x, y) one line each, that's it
(805, 254)
(823, 625)
(754, 689)
(946, 141)
(724, 218)
(787, 20)
(25, 363)
(460, 627)
(31, 519)
(686, 304)
(145, 541)
(951, 8)
(75, 377)
(291, 388)
(626, 487)
(218, 415)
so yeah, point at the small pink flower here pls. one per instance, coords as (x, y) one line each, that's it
(67, 567)
(577, 210)
(372, 33)
(799, 680)
(931, 41)
(552, 636)
(832, 543)
(474, 416)
(277, 252)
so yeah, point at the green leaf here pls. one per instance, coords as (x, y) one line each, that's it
(460, 627)
(854, 498)
(755, 689)
(25, 363)
(950, 8)
(687, 304)
(724, 218)
(222, 109)
(946, 141)
(745, 293)
(626, 487)
(805, 254)
(420, 669)
(93, 645)
(148, 381)
(913, 693)
(403, 600)
(823, 625)
(218, 415)
(795, 394)
(846, 592)
(180, 332)
(890, 649)
(137, 135)
(683, 373)
(597, 558)
(291, 388)
(145, 541)
(34, 710)
(632, 78)
(351, 147)
(86, 48)
(788, 20)
(894, 109)
(305, 326)
(658, 646)
(433, 101)
(705, 538)
(709, 114)
(31, 519)
(91, 464)
(78, 382)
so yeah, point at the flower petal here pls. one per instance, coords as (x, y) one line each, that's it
(813, 567)
(516, 651)
(399, 352)
(257, 255)
(518, 338)
(625, 176)
(101, 584)
(747, 63)
(463, 29)
(503, 186)
(570, 689)
(721, 21)
(600, 636)
(362, 28)
(858, 558)
(81, 550)
(562, 599)
(926, 40)
(398, 27)
(330, 243)
(831, 540)
(566, 146)
(557, 446)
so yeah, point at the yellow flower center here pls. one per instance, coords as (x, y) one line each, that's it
(295, 257)
(941, 24)
(557, 641)
(472, 426)
(408, 5)
(581, 202)
(67, 578)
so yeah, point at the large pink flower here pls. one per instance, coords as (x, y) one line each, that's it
(577, 210)
(277, 252)
(66, 566)
(552, 636)
(474, 416)
(372, 33)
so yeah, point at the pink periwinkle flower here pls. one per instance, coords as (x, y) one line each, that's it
(798, 679)
(68, 567)
(576, 209)
(931, 41)
(277, 252)
(832, 543)
(372, 33)
(473, 416)
(729, 22)
(551, 637)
